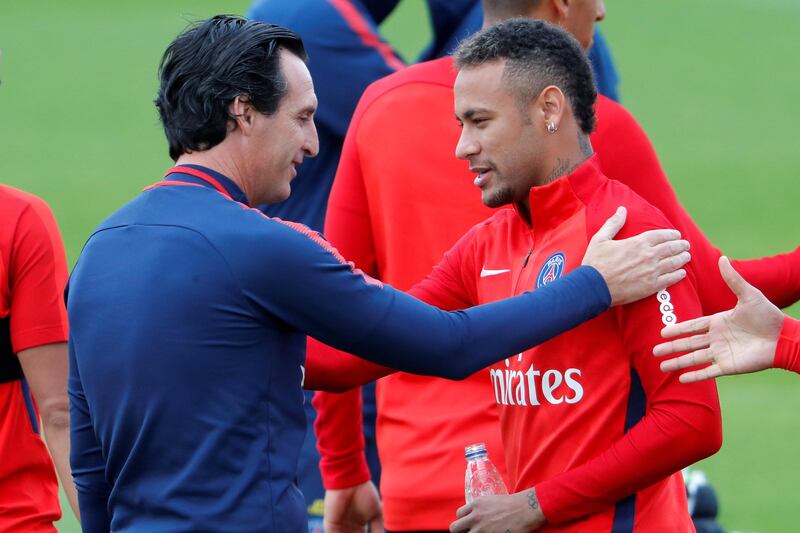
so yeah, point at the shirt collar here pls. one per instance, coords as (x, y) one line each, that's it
(228, 184)
(555, 202)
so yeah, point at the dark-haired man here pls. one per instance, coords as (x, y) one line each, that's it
(189, 310)
(594, 434)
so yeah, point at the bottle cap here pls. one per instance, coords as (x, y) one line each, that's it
(475, 450)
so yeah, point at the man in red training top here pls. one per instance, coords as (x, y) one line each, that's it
(395, 220)
(594, 434)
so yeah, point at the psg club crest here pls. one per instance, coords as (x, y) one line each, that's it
(551, 270)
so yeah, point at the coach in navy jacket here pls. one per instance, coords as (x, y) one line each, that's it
(189, 310)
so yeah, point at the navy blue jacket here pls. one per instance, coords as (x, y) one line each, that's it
(188, 315)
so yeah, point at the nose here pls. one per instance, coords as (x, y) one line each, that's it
(601, 11)
(467, 146)
(311, 145)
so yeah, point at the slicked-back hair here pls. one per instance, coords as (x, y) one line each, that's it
(211, 63)
(537, 55)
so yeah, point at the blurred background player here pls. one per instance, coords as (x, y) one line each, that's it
(400, 199)
(33, 365)
(455, 20)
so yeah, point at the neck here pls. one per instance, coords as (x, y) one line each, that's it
(562, 163)
(215, 160)
(492, 16)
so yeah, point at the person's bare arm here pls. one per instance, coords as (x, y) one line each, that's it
(45, 368)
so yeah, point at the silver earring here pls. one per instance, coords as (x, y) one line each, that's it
(551, 127)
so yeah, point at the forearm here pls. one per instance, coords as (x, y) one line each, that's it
(56, 433)
(456, 345)
(663, 443)
(340, 439)
(787, 354)
(777, 276)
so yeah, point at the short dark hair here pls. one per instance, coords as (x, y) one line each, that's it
(538, 54)
(211, 63)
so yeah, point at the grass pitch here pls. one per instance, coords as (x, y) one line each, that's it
(713, 82)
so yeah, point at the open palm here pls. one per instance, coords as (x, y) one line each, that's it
(737, 341)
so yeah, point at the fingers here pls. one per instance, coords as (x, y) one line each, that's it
(464, 510)
(695, 358)
(681, 345)
(674, 262)
(710, 372)
(464, 520)
(696, 325)
(670, 248)
(735, 281)
(657, 236)
(376, 525)
(611, 227)
(671, 278)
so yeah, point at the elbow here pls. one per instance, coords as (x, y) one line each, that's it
(704, 436)
(55, 415)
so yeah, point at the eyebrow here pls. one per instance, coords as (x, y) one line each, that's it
(474, 111)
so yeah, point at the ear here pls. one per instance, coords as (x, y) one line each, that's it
(561, 8)
(550, 106)
(242, 114)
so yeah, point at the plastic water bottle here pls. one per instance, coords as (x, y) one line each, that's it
(482, 477)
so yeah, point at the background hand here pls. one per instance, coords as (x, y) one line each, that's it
(351, 510)
(737, 341)
(639, 266)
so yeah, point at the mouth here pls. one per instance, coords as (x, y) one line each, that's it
(483, 175)
(294, 167)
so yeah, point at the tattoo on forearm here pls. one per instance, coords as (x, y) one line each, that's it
(585, 144)
(508, 531)
(562, 168)
(533, 502)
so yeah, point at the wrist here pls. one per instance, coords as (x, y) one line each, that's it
(536, 515)
(787, 352)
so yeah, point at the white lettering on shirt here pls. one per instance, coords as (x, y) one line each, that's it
(513, 387)
(667, 315)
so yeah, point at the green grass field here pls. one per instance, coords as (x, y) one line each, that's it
(713, 82)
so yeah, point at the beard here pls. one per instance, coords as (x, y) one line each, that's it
(498, 196)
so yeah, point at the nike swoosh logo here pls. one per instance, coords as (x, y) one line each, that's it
(485, 272)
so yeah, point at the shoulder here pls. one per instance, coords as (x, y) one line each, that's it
(310, 19)
(642, 216)
(22, 208)
(439, 72)
(613, 119)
